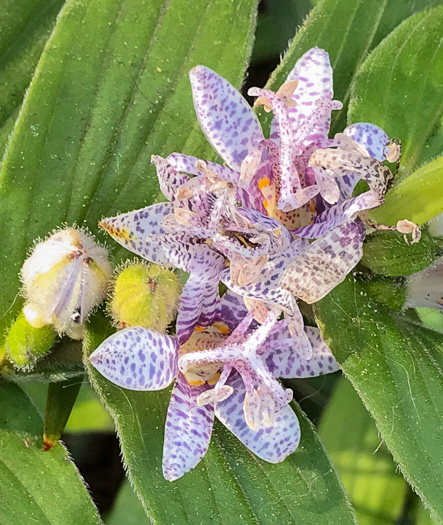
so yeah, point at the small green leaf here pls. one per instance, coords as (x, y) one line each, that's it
(400, 88)
(61, 398)
(230, 484)
(348, 30)
(397, 369)
(25, 26)
(36, 486)
(419, 197)
(387, 253)
(375, 487)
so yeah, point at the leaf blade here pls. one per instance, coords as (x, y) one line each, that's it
(36, 485)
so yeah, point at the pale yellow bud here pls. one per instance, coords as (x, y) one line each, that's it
(145, 295)
(65, 277)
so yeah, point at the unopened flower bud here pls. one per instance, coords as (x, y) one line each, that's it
(65, 277)
(145, 295)
(25, 344)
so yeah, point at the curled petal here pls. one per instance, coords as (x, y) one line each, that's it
(372, 138)
(273, 443)
(190, 164)
(325, 263)
(188, 430)
(225, 117)
(138, 359)
(344, 162)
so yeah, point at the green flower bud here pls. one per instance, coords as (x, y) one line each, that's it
(65, 277)
(25, 344)
(145, 295)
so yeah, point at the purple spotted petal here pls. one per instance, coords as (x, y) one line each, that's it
(199, 304)
(232, 310)
(228, 122)
(371, 137)
(314, 74)
(284, 361)
(138, 359)
(132, 229)
(326, 263)
(168, 178)
(266, 287)
(273, 443)
(186, 164)
(188, 430)
(338, 214)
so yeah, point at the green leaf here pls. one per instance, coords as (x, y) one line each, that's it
(400, 88)
(419, 197)
(103, 103)
(25, 26)
(36, 486)
(59, 403)
(348, 30)
(397, 369)
(230, 485)
(375, 487)
(127, 508)
(387, 253)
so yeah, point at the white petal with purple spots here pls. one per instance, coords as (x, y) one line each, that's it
(273, 443)
(188, 430)
(284, 361)
(138, 359)
(225, 117)
(326, 262)
(372, 138)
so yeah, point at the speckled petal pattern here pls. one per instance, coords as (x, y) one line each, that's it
(273, 443)
(326, 262)
(168, 178)
(372, 138)
(138, 359)
(283, 360)
(188, 430)
(338, 214)
(227, 120)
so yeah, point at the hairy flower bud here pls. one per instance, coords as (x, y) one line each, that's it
(145, 295)
(65, 277)
(26, 344)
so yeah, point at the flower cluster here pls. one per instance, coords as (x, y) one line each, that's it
(248, 224)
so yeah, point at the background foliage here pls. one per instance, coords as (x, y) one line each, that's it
(89, 90)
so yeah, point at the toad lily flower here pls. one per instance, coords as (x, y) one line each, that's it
(247, 214)
(227, 369)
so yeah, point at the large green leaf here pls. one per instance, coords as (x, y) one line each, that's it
(36, 486)
(397, 369)
(400, 88)
(127, 508)
(348, 30)
(110, 90)
(377, 490)
(230, 485)
(24, 28)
